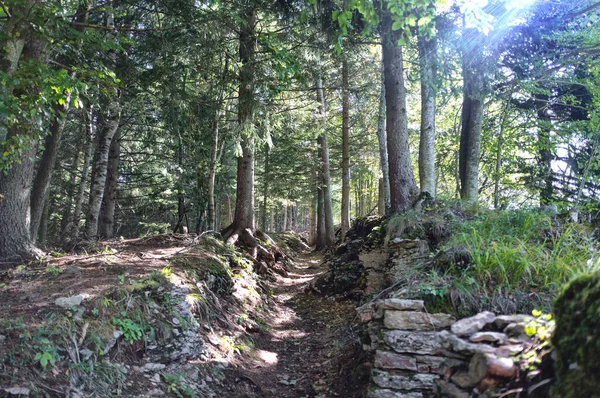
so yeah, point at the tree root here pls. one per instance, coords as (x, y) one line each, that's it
(267, 257)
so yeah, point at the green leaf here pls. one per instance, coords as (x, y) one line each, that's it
(397, 25)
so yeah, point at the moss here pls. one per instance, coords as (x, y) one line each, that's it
(145, 284)
(576, 338)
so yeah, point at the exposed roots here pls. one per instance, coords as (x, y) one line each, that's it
(266, 255)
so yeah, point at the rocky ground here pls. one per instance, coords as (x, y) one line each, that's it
(173, 316)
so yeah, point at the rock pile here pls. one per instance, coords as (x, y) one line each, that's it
(417, 354)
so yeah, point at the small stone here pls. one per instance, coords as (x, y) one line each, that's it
(502, 321)
(410, 381)
(401, 305)
(391, 360)
(515, 329)
(456, 344)
(385, 393)
(117, 334)
(473, 324)
(68, 302)
(429, 364)
(461, 379)
(489, 337)
(151, 367)
(176, 321)
(409, 320)
(86, 354)
(448, 389)
(2, 338)
(156, 378)
(17, 391)
(410, 342)
(176, 332)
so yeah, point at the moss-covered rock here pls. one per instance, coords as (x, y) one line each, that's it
(577, 338)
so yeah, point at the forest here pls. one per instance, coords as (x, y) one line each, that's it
(216, 142)
(132, 118)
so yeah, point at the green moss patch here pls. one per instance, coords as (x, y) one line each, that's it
(577, 338)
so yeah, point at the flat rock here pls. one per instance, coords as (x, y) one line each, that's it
(410, 342)
(429, 363)
(448, 389)
(473, 324)
(502, 321)
(391, 360)
(461, 379)
(401, 305)
(456, 344)
(385, 393)
(410, 320)
(68, 302)
(404, 381)
(152, 367)
(17, 391)
(489, 337)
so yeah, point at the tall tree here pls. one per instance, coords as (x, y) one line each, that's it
(345, 152)
(243, 220)
(474, 92)
(402, 180)
(21, 46)
(427, 62)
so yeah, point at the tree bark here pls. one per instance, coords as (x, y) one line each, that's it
(427, 60)
(320, 241)
(382, 138)
(20, 45)
(45, 168)
(325, 174)
(100, 166)
(545, 155)
(72, 229)
(109, 201)
(109, 129)
(244, 204)
(402, 180)
(265, 190)
(212, 170)
(345, 224)
(471, 118)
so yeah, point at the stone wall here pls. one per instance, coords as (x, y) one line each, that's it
(419, 355)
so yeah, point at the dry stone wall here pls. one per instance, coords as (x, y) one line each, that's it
(418, 355)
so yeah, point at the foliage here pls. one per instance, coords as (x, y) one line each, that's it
(575, 339)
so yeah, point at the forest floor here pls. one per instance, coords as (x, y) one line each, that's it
(311, 347)
(305, 345)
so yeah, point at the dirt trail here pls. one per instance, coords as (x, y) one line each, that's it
(309, 349)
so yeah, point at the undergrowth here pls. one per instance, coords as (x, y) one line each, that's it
(509, 261)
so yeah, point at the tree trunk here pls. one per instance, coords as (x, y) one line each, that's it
(312, 221)
(499, 148)
(471, 119)
(325, 174)
(72, 229)
(41, 183)
(100, 167)
(545, 155)
(382, 138)
(20, 45)
(265, 190)
(109, 129)
(402, 180)
(427, 59)
(244, 204)
(345, 224)
(320, 241)
(45, 168)
(107, 225)
(67, 211)
(212, 170)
